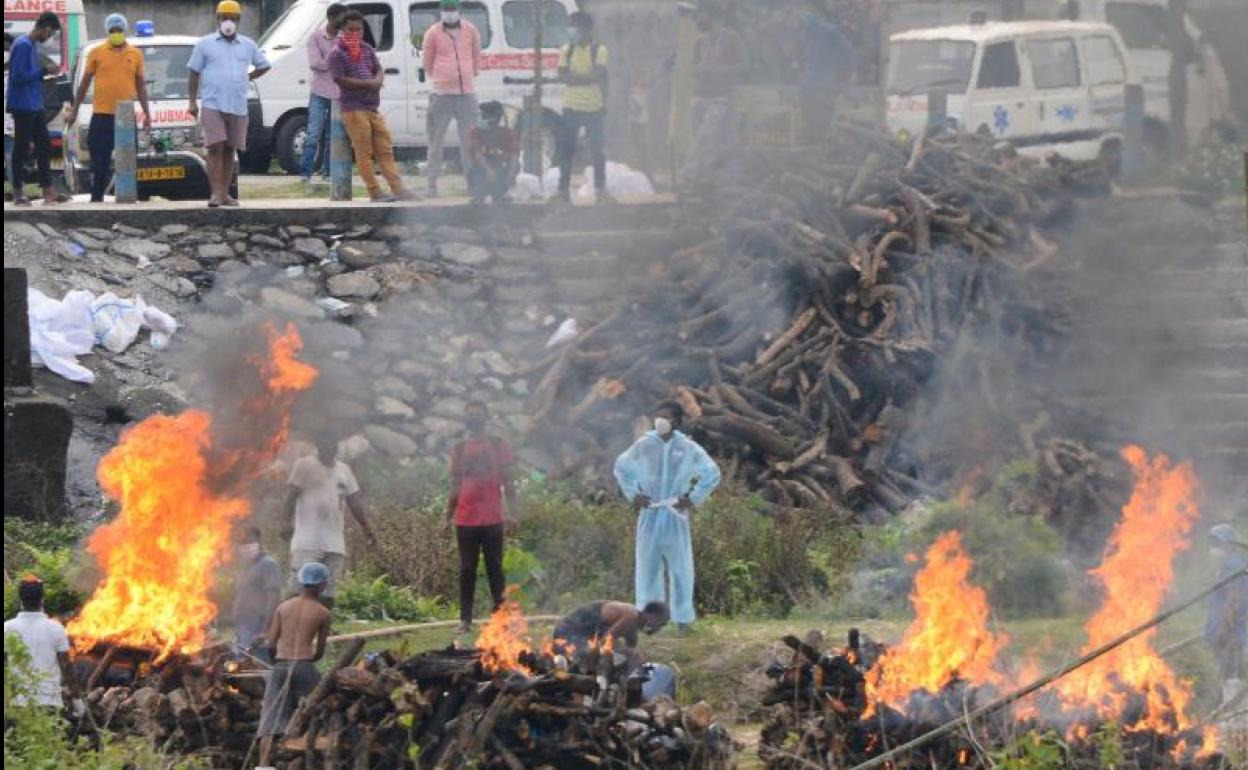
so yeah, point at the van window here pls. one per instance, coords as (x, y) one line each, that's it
(378, 24)
(1141, 26)
(425, 15)
(999, 68)
(1105, 64)
(1054, 63)
(292, 27)
(520, 28)
(918, 66)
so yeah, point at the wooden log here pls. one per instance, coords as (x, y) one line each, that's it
(753, 433)
(298, 721)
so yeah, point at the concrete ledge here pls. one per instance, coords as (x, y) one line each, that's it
(650, 213)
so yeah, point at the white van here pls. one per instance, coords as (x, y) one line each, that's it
(397, 27)
(1043, 86)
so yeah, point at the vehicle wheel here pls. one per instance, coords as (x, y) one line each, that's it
(1111, 155)
(288, 143)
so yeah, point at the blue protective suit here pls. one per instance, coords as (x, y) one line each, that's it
(665, 471)
(1226, 628)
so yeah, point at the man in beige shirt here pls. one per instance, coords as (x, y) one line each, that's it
(297, 637)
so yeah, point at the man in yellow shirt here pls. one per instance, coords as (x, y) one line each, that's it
(116, 67)
(583, 68)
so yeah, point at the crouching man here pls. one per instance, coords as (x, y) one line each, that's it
(296, 639)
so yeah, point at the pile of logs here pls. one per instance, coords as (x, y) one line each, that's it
(440, 710)
(834, 284)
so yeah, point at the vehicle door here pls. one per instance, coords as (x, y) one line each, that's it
(1000, 98)
(508, 67)
(421, 16)
(1061, 101)
(1105, 66)
(380, 30)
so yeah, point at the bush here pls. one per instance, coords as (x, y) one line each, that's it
(1213, 167)
(362, 598)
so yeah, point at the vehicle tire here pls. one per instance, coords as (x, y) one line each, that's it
(288, 142)
(1111, 155)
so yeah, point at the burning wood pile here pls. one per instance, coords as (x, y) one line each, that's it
(501, 705)
(848, 707)
(799, 336)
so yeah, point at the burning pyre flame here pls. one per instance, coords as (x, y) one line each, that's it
(505, 638)
(949, 637)
(181, 487)
(1136, 572)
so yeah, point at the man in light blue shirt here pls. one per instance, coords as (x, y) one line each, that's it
(223, 63)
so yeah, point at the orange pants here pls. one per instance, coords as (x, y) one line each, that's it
(370, 139)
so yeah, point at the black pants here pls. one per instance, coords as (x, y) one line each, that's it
(474, 541)
(594, 124)
(30, 127)
(101, 137)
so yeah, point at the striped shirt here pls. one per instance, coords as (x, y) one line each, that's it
(341, 65)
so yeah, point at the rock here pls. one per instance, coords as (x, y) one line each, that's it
(332, 268)
(297, 231)
(214, 252)
(416, 370)
(289, 304)
(202, 235)
(465, 253)
(336, 336)
(327, 228)
(495, 362)
(361, 254)
(260, 239)
(451, 407)
(173, 231)
(461, 234)
(351, 448)
(359, 232)
(111, 266)
(393, 233)
(99, 233)
(519, 423)
(87, 241)
(314, 248)
(184, 265)
(233, 267)
(130, 232)
(283, 258)
(240, 248)
(174, 284)
(388, 406)
(395, 388)
(390, 441)
(26, 231)
(139, 249)
(442, 427)
(419, 250)
(358, 285)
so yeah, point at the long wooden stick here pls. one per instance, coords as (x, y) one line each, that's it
(1046, 680)
(385, 633)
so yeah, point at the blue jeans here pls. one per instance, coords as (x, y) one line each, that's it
(490, 180)
(316, 145)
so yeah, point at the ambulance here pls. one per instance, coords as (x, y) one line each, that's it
(19, 19)
(172, 159)
(396, 28)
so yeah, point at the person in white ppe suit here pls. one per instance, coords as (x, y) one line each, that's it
(666, 475)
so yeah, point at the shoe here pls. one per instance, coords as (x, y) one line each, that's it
(231, 202)
(407, 195)
(383, 198)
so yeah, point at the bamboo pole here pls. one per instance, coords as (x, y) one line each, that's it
(1046, 680)
(384, 633)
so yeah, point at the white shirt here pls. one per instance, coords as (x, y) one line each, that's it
(321, 505)
(44, 638)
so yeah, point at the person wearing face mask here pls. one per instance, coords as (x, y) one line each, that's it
(451, 57)
(24, 101)
(583, 69)
(482, 474)
(495, 150)
(323, 93)
(116, 68)
(666, 474)
(223, 65)
(1226, 628)
(257, 592)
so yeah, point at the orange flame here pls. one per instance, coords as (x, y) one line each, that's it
(1136, 572)
(505, 638)
(949, 636)
(180, 492)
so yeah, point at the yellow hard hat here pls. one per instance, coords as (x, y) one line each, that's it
(229, 7)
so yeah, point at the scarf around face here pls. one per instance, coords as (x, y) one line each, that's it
(353, 42)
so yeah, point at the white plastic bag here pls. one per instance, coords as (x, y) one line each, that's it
(622, 182)
(566, 331)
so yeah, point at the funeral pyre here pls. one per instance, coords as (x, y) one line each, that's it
(836, 283)
(841, 708)
(505, 704)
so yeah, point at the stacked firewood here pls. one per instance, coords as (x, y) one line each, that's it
(835, 283)
(440, 710)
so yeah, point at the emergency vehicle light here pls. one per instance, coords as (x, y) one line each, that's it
(145, 28)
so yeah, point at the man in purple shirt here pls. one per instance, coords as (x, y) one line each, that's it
(355, 68)
(324, 91)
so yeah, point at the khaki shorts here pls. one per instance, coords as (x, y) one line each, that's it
(223, 127)
(335, 561)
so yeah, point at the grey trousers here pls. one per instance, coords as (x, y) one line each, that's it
(443, 108)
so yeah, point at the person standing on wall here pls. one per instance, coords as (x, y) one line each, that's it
(116, 68)
(451, 58)
(324, 92)
(583, 69)
(24, 101)
(220, 63)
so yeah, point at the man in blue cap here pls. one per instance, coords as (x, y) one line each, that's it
(1226, 628)
(296, 638)
(116, 67)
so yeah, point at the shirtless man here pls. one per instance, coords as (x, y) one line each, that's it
(296, 637)
(618, 620)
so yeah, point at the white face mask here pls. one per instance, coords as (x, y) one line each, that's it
(229, 27)
(662, 426)
(450, 17)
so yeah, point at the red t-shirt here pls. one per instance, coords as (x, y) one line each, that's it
(478, 466)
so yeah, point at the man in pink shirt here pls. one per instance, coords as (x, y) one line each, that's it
(451, 57)
(324, 92)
